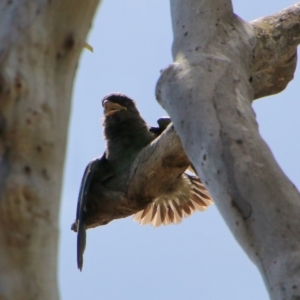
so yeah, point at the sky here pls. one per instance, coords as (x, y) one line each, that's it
(198, 259)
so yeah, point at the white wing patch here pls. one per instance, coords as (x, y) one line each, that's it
(189, 196)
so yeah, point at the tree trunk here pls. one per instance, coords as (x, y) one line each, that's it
(208, 93)
(40, 45)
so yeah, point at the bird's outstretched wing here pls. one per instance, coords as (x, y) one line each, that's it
(88, 175)
(188, 195)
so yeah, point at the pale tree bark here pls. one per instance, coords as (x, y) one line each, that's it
(207, 92)
(40, 43)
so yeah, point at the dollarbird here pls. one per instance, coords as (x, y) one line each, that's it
(105, 178)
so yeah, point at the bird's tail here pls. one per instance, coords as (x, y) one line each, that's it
(189, 195)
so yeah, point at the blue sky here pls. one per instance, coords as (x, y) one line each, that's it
(198, 259)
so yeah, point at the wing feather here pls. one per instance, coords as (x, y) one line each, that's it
(81, 208)
(188, 196)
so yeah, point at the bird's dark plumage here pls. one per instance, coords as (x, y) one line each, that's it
(126, 135)
(97, 168)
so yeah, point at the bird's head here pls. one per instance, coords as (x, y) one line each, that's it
(121, 117)
(119, 106)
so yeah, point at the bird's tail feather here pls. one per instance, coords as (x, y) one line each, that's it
(189, 196)
(81, 242)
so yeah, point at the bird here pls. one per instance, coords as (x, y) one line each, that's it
(127, 134)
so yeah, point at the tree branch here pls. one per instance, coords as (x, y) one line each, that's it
(275, 54)
(208, 96)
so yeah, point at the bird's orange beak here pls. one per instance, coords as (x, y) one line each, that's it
(110, 108)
